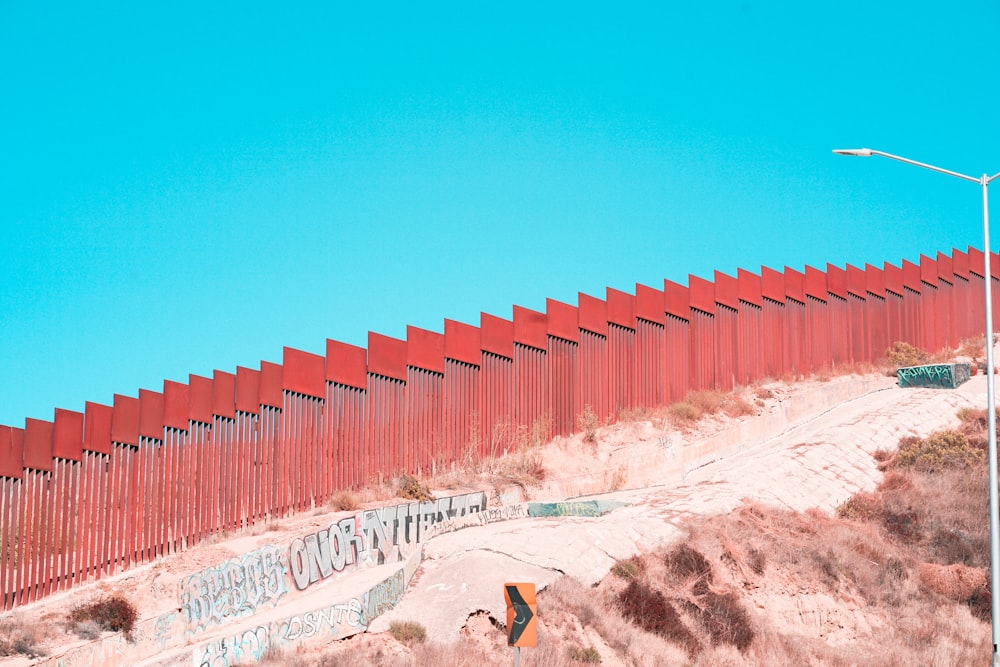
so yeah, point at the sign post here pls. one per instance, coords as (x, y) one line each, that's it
(522, 617)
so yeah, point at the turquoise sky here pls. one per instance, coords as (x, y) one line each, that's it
(192, 186)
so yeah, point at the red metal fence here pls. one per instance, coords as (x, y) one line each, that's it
(89, 494)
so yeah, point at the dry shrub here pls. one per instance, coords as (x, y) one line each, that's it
(626, 569)
(973, 348)
(114, 613)
(862, 506)
(955, 582)
(981, 604)
(685, 563)
(411, 488)
(894, 481)
(939, 450)
(650, 610)
(345, 500)
(903, 524)
(949, 545)
(587, 423)
(737, 406)
(707, 401)
(524, 467)
(975, 428)
(903, 355)
(725, 619)
(684, 412)
(636, 413)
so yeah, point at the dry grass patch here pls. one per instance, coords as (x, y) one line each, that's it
(19, 637)
(408, 632)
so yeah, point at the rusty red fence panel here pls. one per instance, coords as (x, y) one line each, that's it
(496, 386)
(726, 297)
(621, 350)
(818, 347)
(947, 328)
(677, 322)
(894, 293)
(562, 382)
(929, 301)
(530, 378)
(650, 360)
(564, 396)
(460, 400)
(799, 359)
(859, 335)
(594, 383)
(9, 493)
(703, 349)
(750, 361)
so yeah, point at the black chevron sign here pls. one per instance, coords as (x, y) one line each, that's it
(521, 614)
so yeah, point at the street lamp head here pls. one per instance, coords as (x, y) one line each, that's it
(859, 152)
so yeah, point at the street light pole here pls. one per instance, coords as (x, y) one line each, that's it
(984, 182)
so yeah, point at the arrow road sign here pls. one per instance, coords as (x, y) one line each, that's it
(522, 614)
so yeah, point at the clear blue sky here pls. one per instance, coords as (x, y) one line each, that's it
(192, 186)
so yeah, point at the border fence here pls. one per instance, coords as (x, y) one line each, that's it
(93, 493)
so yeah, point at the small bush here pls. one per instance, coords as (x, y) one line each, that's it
(410, 487)
(587, 422)
(903, 355)
(952, 546)
(114, 613)
(972, 347)
(894, 481)
(725, 620)
(974, 427)
(650, 610)
(684, 411)
(737, 406)
(903, 524)
(589, 655)
(980, 604)
(707, 401)
(939, 450)
(757, 560)
(407, 632)
(525, 467)
(685, 562)
(625, 569)
(345, 500)
(862, 506)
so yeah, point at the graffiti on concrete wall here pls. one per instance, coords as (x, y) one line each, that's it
(947, 376)
(575, 508)
(336, 621)
(238, 587)
(372, 537)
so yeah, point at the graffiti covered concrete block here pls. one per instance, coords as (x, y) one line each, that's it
(946, 376)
